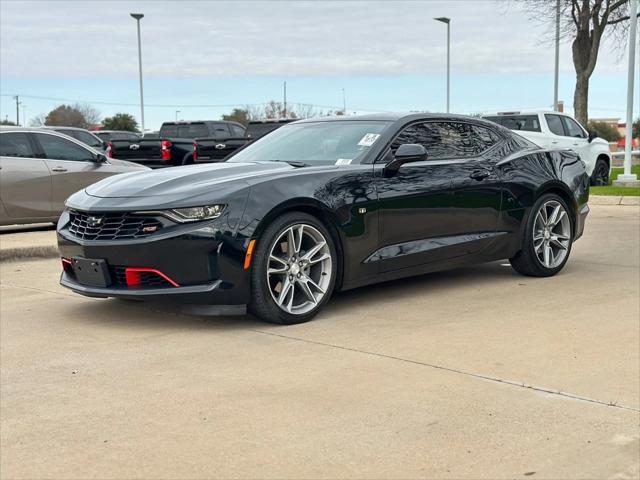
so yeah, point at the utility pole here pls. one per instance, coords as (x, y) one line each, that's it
(448, 22)
(137, 17)
(344, 102)
(177, 112)
(285, 100)
(629, 178)
(557, 66)
(17, 99)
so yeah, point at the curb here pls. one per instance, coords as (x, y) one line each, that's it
(20, 253)
(614, 200)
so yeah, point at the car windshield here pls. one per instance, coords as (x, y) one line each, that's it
(341, 142)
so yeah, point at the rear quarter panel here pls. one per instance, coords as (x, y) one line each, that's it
(528, 176)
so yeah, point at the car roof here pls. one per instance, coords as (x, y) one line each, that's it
(16, 128)
(62, 127)
(523, 112)
(114, 131)
(389, 117)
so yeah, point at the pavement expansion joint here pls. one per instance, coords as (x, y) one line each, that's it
(547, 390)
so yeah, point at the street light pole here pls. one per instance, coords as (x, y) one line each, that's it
(628, 177)
(448, 22)
(18, 102)
(344, 102)
(137, 17)
(177, 112)
(557, 66)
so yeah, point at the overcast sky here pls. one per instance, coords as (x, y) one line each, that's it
(387, 55)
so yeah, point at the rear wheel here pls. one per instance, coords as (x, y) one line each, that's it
(294, 271)
(547, 238)
(188, 159)
(600, 175)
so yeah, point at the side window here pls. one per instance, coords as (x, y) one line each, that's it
(220, 130)
(485, 138)
(448, 139)
(57, 148)
(237, 131)
(572, 128)
(15, 145)
(555, 124)
(132, 136)
(87, 139)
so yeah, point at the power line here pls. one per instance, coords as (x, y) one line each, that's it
(199, 105)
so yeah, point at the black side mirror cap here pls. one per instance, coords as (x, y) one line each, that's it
(101, 158)
(406, 153)
(592, 135)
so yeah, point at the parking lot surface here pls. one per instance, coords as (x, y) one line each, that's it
(473, 373)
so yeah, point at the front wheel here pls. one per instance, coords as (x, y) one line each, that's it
(294, 271)
(547, 238)
(600, 175)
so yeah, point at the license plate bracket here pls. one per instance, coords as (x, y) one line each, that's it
(90, 271)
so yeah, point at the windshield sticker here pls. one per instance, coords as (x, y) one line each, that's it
(368, 139)
(343, 161)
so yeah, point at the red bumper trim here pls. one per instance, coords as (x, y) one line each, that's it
(132, 276)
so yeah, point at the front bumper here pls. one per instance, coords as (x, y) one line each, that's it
(204, 264)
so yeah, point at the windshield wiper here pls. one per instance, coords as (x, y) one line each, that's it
(293, 163)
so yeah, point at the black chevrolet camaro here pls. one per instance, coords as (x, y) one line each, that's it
(325, 205)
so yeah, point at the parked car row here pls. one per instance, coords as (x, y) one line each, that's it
(42, 166)
(189, 142)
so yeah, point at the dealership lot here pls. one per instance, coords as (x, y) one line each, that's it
(475, 373)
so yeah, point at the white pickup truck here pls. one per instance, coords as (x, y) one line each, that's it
(560, 131)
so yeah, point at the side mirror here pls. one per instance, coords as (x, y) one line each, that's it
(406, 153)
(105, 144)
(592, 135)
(101, 158)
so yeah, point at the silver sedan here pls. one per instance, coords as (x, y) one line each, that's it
(40, 168)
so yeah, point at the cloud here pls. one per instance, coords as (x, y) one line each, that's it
(70, 39)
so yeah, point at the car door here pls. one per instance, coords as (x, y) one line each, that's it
(577, 137)
(445, 207)
(72, 166)
(25, 180)
(558, 136)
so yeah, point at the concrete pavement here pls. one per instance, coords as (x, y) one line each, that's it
(474, 373)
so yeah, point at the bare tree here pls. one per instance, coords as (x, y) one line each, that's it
(91, 116)
(585, 22)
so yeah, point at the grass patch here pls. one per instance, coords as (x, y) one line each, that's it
(618, 191)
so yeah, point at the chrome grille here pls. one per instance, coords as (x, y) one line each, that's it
(111, 226)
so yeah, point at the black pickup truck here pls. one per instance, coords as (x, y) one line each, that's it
(175, 143)
(216, 149)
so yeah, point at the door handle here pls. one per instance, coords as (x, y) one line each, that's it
(58, 169)
(554, 142)
(480, 174)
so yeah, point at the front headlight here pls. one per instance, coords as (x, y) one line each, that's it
(195, 214)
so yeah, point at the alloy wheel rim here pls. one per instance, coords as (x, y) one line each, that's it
(602, 176)
(299, 269)
(551, 234)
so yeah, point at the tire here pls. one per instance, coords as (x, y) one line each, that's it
(534, 259)
(600, 174)
(274, 274)
(188, 159)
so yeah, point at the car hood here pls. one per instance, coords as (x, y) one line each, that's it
(185, 181)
